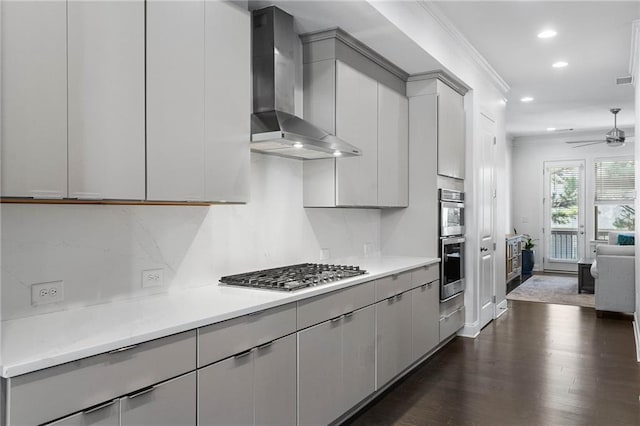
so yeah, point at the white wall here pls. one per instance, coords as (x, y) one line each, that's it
(527, 180)
(634, 70)
(100, 251)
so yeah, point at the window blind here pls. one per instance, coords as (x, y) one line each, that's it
(615, 180)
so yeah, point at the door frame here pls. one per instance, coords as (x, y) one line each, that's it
(562, 265)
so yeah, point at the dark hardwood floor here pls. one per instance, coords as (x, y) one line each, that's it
(539, 364)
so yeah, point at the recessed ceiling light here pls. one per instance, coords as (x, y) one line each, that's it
(526, 99)
(551, 129)
(298, 145)
(560, 64)
(547, 34)
(337, 153)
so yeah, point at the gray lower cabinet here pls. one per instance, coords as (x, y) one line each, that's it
(393, 340)
(425, 310)
(107, 414)
(336, 366)
(257, 386)
(319, 373)
(358, 356)
(274, 377)
(172, 403)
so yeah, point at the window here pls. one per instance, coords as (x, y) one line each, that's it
(614, 196)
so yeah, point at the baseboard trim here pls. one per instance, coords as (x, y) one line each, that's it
(471, 330)
(636, 334)
(501, 308)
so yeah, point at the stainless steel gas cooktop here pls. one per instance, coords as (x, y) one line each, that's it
(294, 277)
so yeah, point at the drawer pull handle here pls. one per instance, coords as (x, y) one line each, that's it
(243, 354)
(338, 318)
(99, 407)
(265, 345)
(348, 315)
(398, 296)
(256, 313)
(390, 299)
(141, 392)
(395, 276)
(126, 348)
(430, 285)
(424, 286)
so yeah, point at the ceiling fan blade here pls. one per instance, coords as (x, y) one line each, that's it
(587, 143)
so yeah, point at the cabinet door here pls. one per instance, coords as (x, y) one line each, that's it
(425, 326)
(357, 123)
(451, 132)
(393, 319)
(225, 392)
(175, 100)
(227, 101)
(34, 99)
(320, 374)
(171, 403)
(393, 148)
(358, 356)
(106, 99)
(107, 414)
(275, 383)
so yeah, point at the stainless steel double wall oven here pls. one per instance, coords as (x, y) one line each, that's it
(452, 241)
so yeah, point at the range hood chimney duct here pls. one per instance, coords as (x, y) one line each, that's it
(274, 127)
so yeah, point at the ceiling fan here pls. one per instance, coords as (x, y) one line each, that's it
(614, 137)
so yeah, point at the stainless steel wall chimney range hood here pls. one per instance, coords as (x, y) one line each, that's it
(274, 127)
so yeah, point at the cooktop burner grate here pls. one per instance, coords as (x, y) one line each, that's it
(294, 277)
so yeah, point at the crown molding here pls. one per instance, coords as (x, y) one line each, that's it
(461, 40)
(355, 44)
(634, 55)
(443, 76)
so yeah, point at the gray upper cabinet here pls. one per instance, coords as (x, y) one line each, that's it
(198, 101)
(175, 101)
(106, 99)
(356, 123)
(34, 99)
(451, 132)
(362, 102)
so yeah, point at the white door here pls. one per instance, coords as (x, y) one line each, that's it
(486, 206)
(563, 228)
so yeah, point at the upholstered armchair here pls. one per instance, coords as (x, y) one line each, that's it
(614, 273)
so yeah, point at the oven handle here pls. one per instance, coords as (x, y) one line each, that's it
(449, 204)
(452, 240)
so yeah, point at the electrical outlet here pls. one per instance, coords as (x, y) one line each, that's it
(153, 278)
(49, 292)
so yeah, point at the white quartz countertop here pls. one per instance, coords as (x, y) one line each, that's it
(42, 341)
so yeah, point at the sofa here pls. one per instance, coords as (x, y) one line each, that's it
(614, 273)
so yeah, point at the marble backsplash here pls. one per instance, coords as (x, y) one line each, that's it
(99, 252)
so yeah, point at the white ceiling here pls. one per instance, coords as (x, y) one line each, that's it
(593, 37)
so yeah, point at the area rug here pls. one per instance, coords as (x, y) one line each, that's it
(561, 290)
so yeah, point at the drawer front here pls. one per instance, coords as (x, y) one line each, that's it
(424, 275)
(392, 285)
(107, 414)
(451, 323)
(223, 339)
(74, 386)
(451, 305)
(321, 308)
